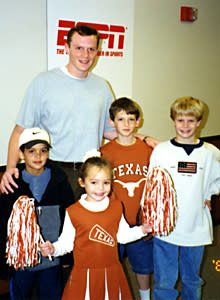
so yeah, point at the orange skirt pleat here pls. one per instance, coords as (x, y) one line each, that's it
(109, 280)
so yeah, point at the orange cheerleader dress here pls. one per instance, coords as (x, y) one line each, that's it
(97, 273)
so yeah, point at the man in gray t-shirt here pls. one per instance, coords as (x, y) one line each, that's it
(71, 104)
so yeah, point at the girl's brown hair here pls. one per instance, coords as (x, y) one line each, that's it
(95, 161)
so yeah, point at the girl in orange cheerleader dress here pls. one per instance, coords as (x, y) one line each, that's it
(92, 227)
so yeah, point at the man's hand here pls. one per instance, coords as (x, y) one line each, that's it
(152, 142)
(7, 180)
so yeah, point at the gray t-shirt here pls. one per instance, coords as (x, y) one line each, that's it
(73, 111)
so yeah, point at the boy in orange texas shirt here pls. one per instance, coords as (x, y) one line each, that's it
(130, 159)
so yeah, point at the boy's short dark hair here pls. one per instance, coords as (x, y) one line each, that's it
(126, 104)
(83, 30)
(187, 106)
(31, 144)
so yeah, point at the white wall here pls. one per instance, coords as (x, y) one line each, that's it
(174, 59)
(22, 56)
(171, 59)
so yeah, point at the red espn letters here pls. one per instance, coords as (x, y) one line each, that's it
(106, 32)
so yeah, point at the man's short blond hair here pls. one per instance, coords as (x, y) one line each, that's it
(187, 106)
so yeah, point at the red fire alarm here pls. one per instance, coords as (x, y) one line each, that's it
(188, 14)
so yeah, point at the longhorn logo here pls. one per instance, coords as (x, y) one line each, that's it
(130, 186)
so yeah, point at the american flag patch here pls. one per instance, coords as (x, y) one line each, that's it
(187, 167)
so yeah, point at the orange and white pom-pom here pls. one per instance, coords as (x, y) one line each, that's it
(23, 235)
(160, 207)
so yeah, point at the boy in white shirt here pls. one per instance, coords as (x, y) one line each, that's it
(195, 169)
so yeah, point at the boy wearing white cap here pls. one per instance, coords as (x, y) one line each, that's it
(34, 144)
(49, 186)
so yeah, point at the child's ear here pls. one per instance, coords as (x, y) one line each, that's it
(21, 154)
(138, 122)
(81, 183)
(111, 123)
(173, 122)
(198, 123)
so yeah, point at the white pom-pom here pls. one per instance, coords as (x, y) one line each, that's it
(91, 153)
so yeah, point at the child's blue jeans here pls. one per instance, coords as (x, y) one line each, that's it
(140, 255)
(169, 260)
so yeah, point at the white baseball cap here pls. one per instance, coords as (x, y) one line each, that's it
(32, 136)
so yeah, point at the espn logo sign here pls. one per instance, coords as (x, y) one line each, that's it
(113, 34)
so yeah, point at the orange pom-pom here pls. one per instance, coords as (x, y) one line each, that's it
(160, 206)
(23, 235)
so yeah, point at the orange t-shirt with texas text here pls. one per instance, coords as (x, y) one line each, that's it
(130, 163)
